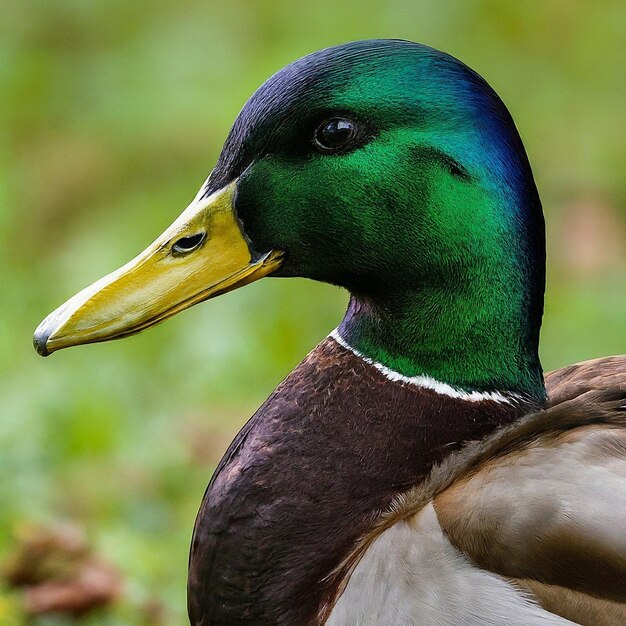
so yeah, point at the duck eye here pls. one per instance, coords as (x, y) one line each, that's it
(334, 135)
(187, 244)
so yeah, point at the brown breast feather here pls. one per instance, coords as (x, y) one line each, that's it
(306, 476)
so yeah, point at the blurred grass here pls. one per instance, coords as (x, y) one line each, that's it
(111, 116)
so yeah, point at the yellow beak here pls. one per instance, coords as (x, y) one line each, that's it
(201, 255)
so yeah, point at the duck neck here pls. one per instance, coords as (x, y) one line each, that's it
(483, 344)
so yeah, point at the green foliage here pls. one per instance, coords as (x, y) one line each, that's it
(112, 114)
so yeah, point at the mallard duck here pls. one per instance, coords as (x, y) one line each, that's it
(414, 468)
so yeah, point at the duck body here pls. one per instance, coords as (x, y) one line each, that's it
(413, 469)
(317, 509)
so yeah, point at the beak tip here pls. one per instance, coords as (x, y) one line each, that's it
(40, 338)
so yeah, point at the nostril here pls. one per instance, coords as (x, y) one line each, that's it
(187, 244)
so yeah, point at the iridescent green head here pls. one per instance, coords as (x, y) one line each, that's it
(426, 208)
(395, 171)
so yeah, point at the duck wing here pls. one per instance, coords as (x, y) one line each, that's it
(525, 527)
(551, 512)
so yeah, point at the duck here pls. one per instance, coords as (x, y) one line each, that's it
(417, 467)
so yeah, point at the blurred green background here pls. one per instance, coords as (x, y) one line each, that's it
(111, 116)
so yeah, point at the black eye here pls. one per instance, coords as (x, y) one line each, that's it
(334, 135)
(187, 244)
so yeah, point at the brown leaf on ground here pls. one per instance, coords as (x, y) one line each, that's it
(58, 572)
(96, 585)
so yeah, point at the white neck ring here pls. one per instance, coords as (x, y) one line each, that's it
(427, 382)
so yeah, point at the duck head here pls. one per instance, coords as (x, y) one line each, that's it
(385, 167)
